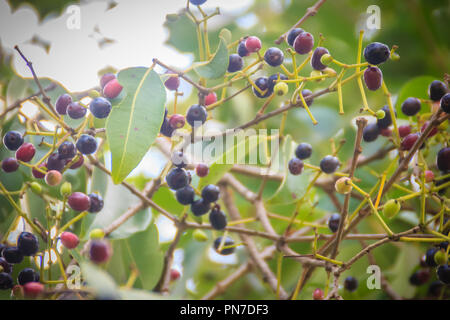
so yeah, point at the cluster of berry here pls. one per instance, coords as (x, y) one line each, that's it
(328, 164)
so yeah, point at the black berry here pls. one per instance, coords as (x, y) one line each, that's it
(28, 244)
(411, 106)
(218, 219)
(443, 273)
(12, 255)
(185, 195)
(387, 120)
(295, 166)
(200, 207)
(242, 50)
(177, 178)
(376, 53)
(166, 128)
(429, 257)
(274, 56)
(76, 111)
(235, 63)
(54, 162)
(329, 164)
(96, 203)
(6, 281)
(350, 283)
(435, 288)
(86, 144)
(437, 90)
(6, 267)
(263, 84)
(333, 222)
(27, 275)
(210, 193)
(12, 140)
(10, 165)
(419, 277)
(196, 115)
(100, 107)
(274, 78)
(228, 242)
(371, 132)
(445, 103)
(179, 159)
(443, 159)
(303, 151)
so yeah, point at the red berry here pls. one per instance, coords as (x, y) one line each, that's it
(409, 140)
(112, 89)
(429, 176)
(69, 240)
(202, 170)
(210, 98)
(26, 152)
(33, 289)
(432, 132)
(404, 130)
(78, 163)
(177, 121)
(318, 294)
(37, 174)
(386, 132)
(174, 274)
(373, 78)
(78, 201)
(10, 165)
(107, 77)
(253, 44)
(100, 251)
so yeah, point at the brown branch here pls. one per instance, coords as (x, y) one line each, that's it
(309, 13)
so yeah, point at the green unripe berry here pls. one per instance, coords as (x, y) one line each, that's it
(36, 188)
(316, 73)
(281, 88)
(395, 56)
(200, 236)
(94, 94)
(326, 59)
(380, 114)
(343, 185)
(329, 71)
(97, 234)
(391, 208)
(66, 189)
(440, 257)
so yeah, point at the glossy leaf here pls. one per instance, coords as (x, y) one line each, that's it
(217, 66)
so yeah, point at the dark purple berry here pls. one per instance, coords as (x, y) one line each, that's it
(429, 257)
(303, 151)
(6, 267)
(242, 50)
(218, 219)
(12, 140)
(12, 255)
(196, 115)
(210, 193)
(295, 166)
(376, 53)
(333, 222)
(86, 144)
(371, 132)
(78, 201)
(6, 281)
(329, 164)
(100, 251)
(373, 78)
(67, 150)
(292, 35)
(445, 103)
(197, 2)
(100, 107)
(107, 77)
(55, 163)
(38, 174)
(200, 207)
(315, 59)
(96, 203)
(10, 165)
(350, 284)
(263, 84)
(76, 111)
(27, 275)
(177, 121)
(227, 243)
(443, 273)
(166, 128)
(437, 90)
(62, 103)
(443, 159)
(28, 244)
(306, 93)
(235, 63)
(202, 170)
(185, 195)
(274, 78)
(172, 83)
(303, 43)
(177, 178)
(387, 120)
(409, 141)
(419, 277)
(78, 163)
(274, 57)
(411, 106)
(435, 288)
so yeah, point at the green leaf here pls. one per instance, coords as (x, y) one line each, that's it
(221, 164)
(43, 7)
(144, 253)
(99, 280)
(417, 88)
(217, 66)
(182, 33)
(134, 124)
